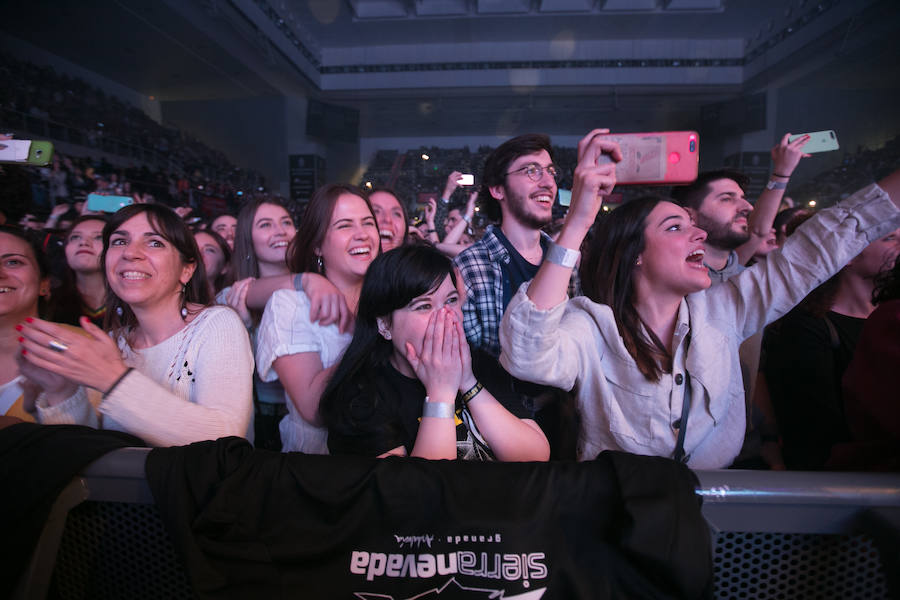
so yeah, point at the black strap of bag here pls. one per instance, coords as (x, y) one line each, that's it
(682, 423)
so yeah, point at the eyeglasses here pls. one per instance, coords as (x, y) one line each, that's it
(535, 171)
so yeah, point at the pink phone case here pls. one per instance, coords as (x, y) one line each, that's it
(666, 157)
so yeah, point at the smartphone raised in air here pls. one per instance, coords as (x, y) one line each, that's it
(665, 157)
(819, 141)
(110, 204)
(26, 152)
(466, 179)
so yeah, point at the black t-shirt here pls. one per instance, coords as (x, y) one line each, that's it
(804, 366)
(518, 270)
(388, 417)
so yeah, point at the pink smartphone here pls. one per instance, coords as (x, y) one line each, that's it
(665, 157)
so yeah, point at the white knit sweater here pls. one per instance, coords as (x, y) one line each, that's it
(194, 386)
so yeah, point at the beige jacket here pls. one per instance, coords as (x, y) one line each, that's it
(576, 344)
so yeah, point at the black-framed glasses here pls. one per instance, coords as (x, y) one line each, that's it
(535, 172)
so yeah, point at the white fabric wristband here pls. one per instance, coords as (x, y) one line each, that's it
(438, 410)
(564, 257)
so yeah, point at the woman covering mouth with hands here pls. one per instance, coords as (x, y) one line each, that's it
(651, 349)
(408, 384)
(175, 370)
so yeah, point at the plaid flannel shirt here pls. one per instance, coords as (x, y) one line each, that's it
(481, 268)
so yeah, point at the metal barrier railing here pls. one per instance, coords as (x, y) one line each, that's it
(775, 534)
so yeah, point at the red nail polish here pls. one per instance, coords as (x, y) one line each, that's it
(29, 320)
(19, 328)
(21, 339)
(24, 352)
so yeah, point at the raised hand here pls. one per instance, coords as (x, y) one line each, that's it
(592, 180)
(452, 184)
(786, 155)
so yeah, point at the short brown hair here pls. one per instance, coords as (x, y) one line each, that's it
(497, 164)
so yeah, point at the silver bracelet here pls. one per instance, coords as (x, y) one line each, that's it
(564, 257)
(438, 410)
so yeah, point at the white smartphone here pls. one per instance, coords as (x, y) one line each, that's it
(466, 179)
(819, 141)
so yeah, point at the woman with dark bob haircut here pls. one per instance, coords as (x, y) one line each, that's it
(406, 386)
(173, 370)
(652, 349)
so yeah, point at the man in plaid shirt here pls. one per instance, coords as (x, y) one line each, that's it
(518, 187)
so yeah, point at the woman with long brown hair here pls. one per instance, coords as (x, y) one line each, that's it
(338, 238)
(652, 350)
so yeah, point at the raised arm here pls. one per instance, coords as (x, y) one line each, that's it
(591, 183)
(785, 158)
(451, 246)
(816, 251)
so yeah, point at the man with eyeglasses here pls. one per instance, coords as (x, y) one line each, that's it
(518, 188)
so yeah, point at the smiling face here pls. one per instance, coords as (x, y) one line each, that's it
(272, 232)
(351, 240)
(408, 324)
(20, 279)
(226, 226)
(723, 215)
(390, 219)
(671, 262)
(529, 203)
(213, 257)
(83, 246)
(143, 268)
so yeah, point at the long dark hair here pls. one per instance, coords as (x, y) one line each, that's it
(172, 228)
(66, 303)
(393, 280)
(301, 255)
(386, 190)
(607, 277)
(887, 284)
(224, 278)
(244, 263)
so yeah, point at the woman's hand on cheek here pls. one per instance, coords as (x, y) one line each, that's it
(93, 360)
(438, 366)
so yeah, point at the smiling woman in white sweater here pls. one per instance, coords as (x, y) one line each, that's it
(176, 371)
(651, 350)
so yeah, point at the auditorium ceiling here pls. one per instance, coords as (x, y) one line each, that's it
(441, 64)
